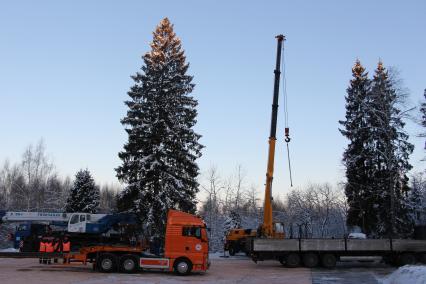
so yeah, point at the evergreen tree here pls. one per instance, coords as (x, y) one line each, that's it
(84, 195)
(159, 160)
(423, 116)
(232, 221)
(391, 159)
(356, 157)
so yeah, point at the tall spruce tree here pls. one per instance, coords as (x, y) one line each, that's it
(391, 159)
(423, 116)
(159, 160)
(84, 195)
(356, 157)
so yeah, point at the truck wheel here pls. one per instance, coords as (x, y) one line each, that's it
(406, 258)
(292, 260)
(182, 266)
(310, 260)
(107, 262)
(422, 258)
(128, 263)
(328, 260)
(231, 250)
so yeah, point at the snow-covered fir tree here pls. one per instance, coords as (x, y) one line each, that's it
(84, 195)
(423, 116)
(391, 158)
(159, 160)
(357, 155)
(232, 221)
(417, 198)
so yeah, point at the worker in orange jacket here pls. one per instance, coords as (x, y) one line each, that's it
(57, 248)
(66, 246)
(42, 249)
(49, 249)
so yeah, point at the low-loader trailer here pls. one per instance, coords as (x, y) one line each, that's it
(185, 250)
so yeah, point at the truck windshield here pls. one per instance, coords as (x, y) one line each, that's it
(191, 232)
(22, 228)
(74, 219)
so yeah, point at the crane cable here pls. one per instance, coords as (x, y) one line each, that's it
(287, 129)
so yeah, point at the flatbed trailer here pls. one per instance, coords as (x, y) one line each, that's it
(326, 252)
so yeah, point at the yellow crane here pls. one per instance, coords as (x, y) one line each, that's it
(236, 238)
(269, 229)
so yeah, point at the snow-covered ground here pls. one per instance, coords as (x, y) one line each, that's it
(222, 271)
(9, 250)
(235, 269)
(410, 274)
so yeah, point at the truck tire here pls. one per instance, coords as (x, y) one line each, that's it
(422, 258)
(231, 250)
(129, 263)
(328, 260)
(107, 262)
(310, 260)
(406, 258)
(292, 260)
(182, 266)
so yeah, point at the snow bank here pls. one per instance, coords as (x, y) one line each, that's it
(9, 250)
(408, 274)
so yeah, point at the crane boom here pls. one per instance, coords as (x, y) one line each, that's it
(34, 216)
(267, 226)
(14, 216)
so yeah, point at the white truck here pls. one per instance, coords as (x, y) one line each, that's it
(80, 227)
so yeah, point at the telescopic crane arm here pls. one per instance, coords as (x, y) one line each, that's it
(267, 226)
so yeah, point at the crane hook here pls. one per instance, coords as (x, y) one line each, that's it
(287, 135)
(287, 140)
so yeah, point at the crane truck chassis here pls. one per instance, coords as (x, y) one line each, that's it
(81, 228)
(186, 250)
(269, 242)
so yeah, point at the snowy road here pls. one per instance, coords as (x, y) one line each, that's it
(352, 273)
(223, 270)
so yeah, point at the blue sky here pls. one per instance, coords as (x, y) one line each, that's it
(65, 69)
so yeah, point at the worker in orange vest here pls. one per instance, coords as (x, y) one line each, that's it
(49, 249)
(42, 249)
(56, 248)
(66, 248)
(66, 245)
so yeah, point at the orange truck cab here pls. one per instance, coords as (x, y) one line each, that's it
(186, 250)
(186, 246)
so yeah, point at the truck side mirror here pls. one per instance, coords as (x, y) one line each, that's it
(204, 236)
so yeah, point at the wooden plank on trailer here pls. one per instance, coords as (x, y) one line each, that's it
(275, 245)
(322, 245)
(368, 245)
(409, 245)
